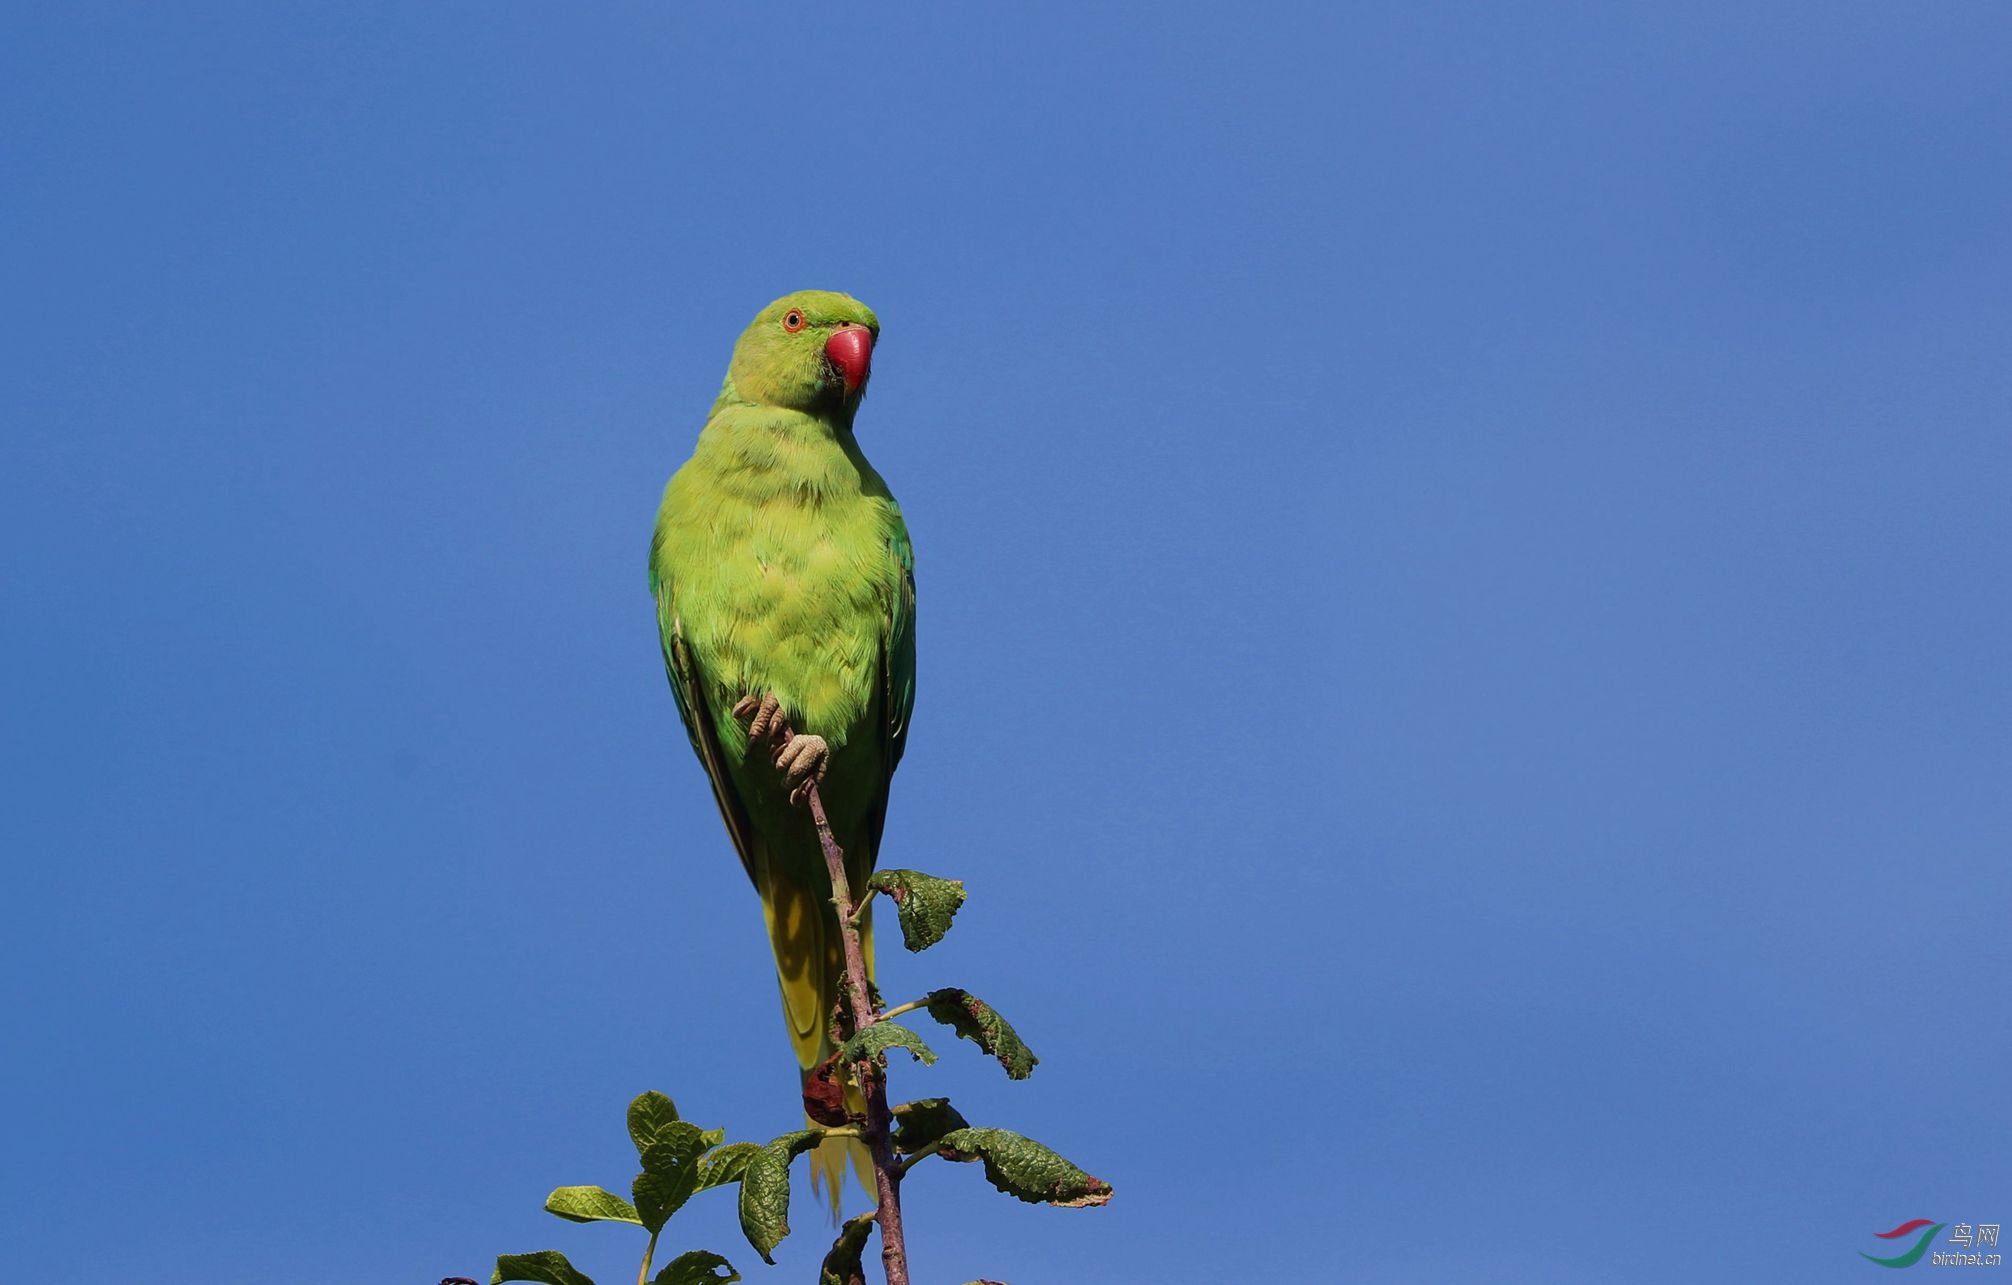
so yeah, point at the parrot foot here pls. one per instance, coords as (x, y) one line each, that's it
(802, 762)
(763, 715)
(801, 759)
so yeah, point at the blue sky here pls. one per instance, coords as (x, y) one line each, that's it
(1466, 588)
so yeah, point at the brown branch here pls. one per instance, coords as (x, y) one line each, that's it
(879, 1130)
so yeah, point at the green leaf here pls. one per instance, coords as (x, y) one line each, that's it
(765, 1191)
(841, 1264)
(979, 1022)
(726, 1164)
(675, 1148)
(1023, 1167)
(876, 1039)
(925, 903)
(649, 1116)
(659, 1195)
(713, 1137)
(670, 1173)
(590, 1205)
(548, 1267)
(696, 1267)
(918, 1124)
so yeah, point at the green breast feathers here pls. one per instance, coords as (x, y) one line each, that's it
(789, 570)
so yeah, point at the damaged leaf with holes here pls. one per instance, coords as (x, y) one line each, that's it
(697, 1267)
(925, 903)
(975, 1020)
(678, 1159)
(670, 1173)
(1023, 1167)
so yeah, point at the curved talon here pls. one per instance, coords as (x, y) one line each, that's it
(763, 716)
(802, 762)
(801, 759)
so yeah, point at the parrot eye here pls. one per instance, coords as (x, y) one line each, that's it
(792, 321)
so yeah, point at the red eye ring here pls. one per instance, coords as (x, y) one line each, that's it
(792, 321)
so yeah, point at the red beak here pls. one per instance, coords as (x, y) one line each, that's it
(850, 350)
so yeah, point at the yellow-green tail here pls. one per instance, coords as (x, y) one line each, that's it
(809, 960)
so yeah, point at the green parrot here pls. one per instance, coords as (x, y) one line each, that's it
(785, 590)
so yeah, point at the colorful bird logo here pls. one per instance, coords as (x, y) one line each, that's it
(1912, 1256)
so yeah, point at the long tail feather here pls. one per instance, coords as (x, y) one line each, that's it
(809, 960)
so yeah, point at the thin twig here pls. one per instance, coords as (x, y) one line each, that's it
(649, 1252)
(915, 1159)
(859, 910)
(879, 1133)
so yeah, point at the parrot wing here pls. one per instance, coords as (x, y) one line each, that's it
(688, 687)
(806, 965)
(897, 672)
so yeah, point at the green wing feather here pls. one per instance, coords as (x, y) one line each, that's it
(900, 654)
(689, 692)
(897, 672)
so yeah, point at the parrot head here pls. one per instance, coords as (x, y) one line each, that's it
(808, 351)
